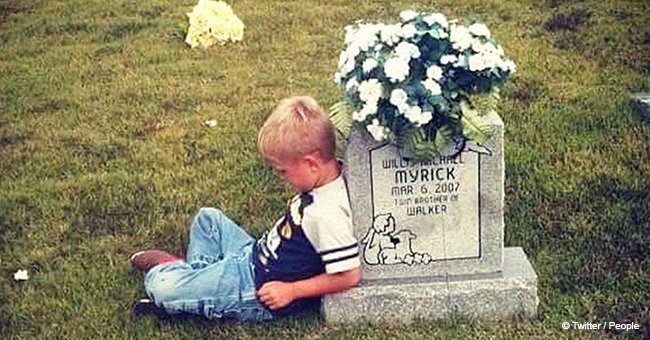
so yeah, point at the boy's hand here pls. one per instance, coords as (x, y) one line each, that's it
(276, 294)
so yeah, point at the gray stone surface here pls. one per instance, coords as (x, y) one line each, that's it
(443, 217)
(642, 103)
(512, 293)
(431, 237)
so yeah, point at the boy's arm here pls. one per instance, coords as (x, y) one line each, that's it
(278, 294)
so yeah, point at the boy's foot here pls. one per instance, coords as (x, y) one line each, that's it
(147, 307)
(147, 259)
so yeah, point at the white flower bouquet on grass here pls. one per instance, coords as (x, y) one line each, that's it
(213, 22)
(423, 84)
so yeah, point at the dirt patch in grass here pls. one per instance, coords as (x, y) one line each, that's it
(638, 57)
(69, 28)
(151, 13)
(96, 155)
(4, 143)
(621, 14)
(9, 139)
(50, 106)
(121, 30)
(557, 3)
(197, 152)
(611, 37)
(9, 8)
(570, 21)
(150, 129)
(524, 91)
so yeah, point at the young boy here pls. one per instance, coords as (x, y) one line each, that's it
(311, 251)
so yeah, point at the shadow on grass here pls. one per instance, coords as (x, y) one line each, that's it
(297, 323)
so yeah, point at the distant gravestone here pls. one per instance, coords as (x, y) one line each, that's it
(431, 236)
(641, 103)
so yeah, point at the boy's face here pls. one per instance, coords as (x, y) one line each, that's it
(301, 173)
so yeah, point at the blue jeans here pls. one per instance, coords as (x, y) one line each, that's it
(216, 280)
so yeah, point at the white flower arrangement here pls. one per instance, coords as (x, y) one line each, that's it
(423, 84)
(213, 22)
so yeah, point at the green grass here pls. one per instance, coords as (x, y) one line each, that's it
(103, 151)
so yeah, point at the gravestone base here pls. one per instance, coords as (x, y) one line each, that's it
(510, 294)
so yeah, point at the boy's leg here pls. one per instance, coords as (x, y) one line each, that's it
(213, 236)
(223, 289)
(147, 259)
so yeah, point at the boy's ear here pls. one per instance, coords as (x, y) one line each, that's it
(312, 159)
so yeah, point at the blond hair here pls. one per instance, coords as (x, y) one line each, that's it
(296, 127)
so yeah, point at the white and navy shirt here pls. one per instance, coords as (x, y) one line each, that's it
(314, 236)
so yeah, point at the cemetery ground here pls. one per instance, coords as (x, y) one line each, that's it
(104, 151)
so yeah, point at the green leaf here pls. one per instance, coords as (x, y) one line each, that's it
(415, 145)
(474, 125)
(444, 137)
(341, 117)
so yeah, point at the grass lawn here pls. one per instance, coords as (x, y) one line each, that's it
(103, 151)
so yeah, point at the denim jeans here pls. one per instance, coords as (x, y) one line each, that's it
(216, 280)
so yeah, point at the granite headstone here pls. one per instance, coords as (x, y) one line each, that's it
(431, 235)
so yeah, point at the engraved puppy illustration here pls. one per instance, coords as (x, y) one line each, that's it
(402, 251)
(378, 238)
